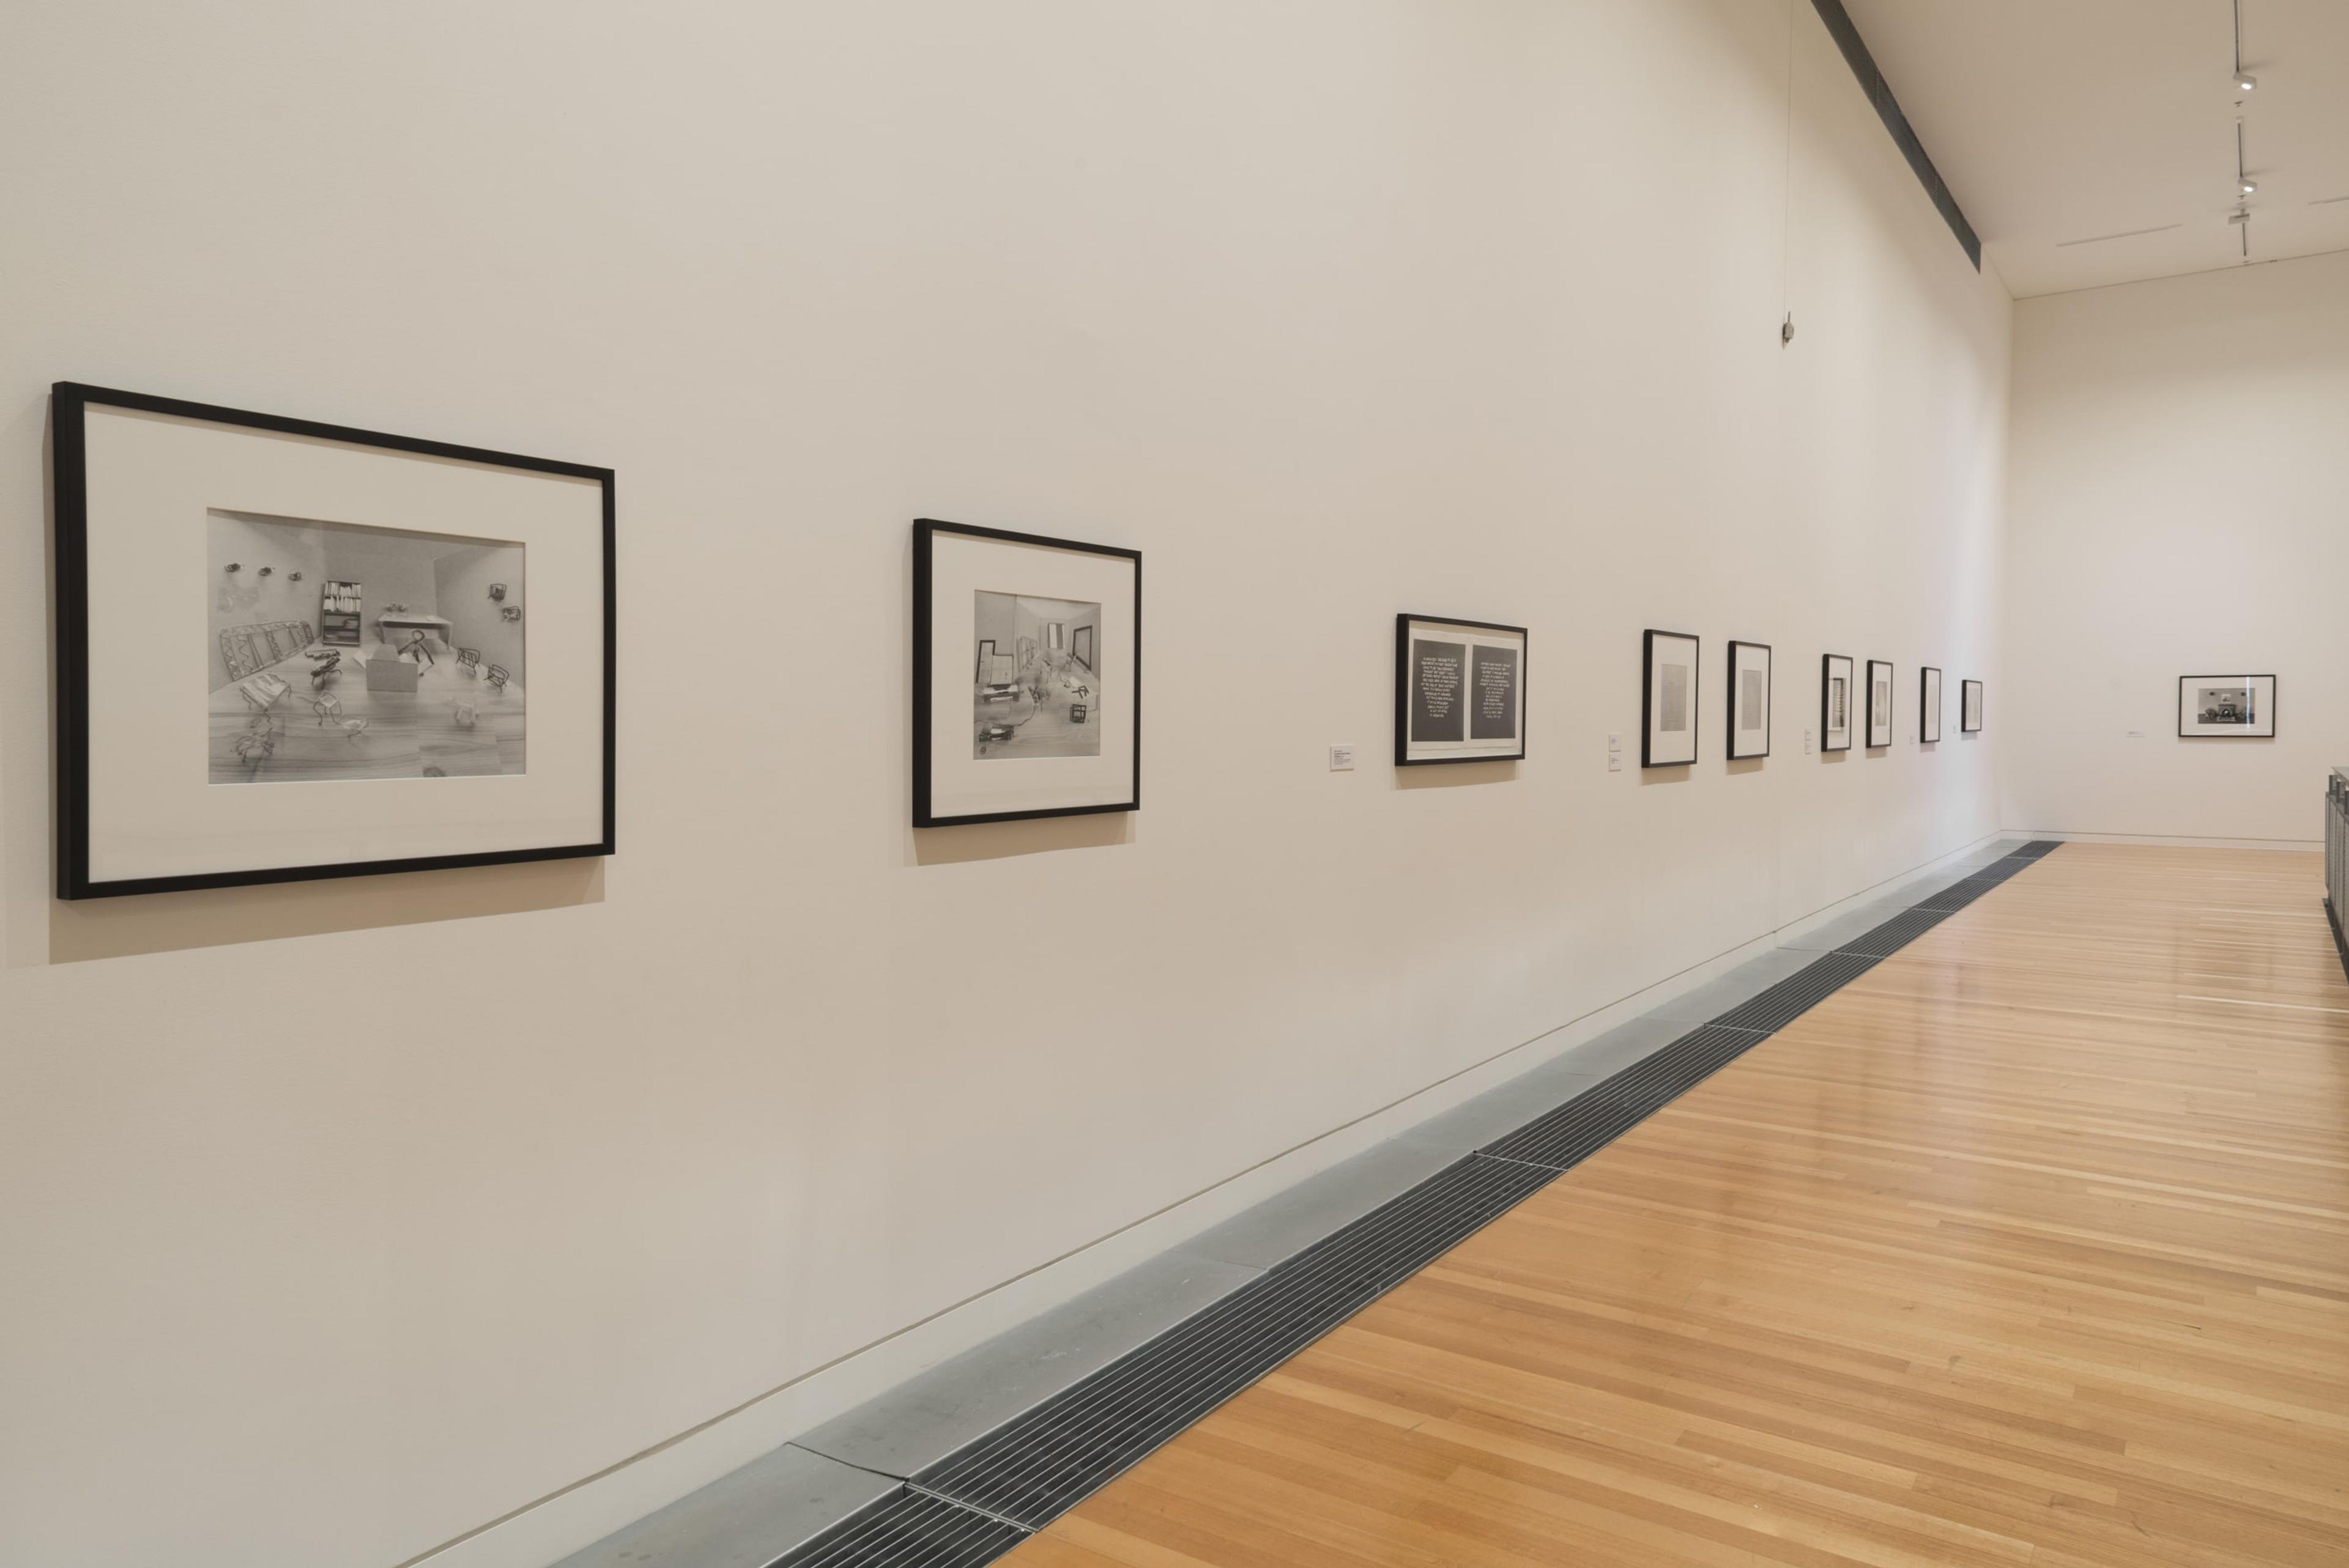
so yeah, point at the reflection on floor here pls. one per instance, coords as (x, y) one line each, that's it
(2031, 1245)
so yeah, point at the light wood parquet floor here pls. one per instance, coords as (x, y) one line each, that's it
(2029, 1247)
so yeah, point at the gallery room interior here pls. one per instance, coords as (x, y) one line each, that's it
(1731, 954)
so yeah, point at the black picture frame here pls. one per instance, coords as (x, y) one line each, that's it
(1928, 704)
(1769, 700)
(1648, 698)
(925, 532)
(1891, 725)
(2275, 693)
(1978, 707)
(69, 404)
(1827, 663)
(1404, 622)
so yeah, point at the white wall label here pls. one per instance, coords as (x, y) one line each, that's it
(1342, 760)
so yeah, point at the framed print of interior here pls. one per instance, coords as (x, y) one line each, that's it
(1749, 700)
(1027, 676)
(356, 601)
(1835, 703)
(1880, 704)
(1668, 694)
(1970, 706)
(1460, 691)
(2227, 707)
(1928, 704)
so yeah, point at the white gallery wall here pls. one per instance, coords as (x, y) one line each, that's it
(2181, 461)
(344, 1221)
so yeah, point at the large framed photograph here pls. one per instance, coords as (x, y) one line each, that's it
(2227, 707)
(1928, 704)
(1460, 691)
(1835, 703)
(1970, 706)
(1749, 700)
(1880, 704)
(1027, 676)
(407, 650)
(1668, 697)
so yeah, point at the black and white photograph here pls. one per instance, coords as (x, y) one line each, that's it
(1027, 676)
(1749, 700)
(1460, 691)
(1668, 699)
(1879, 704)
(2226, 707)
(428, 684)
(1928, 704)
(1970, 706)
(1835, 702)
(1042, 698)
(357, 600)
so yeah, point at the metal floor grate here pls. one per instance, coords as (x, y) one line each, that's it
(1600, 1115)
(1798, 993)
(973, 1506)
(1062, 1450)
(1897, 932)
(908, 1529)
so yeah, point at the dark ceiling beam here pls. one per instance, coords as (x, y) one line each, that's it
(1887, 109)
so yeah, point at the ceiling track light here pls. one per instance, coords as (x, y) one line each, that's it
(2246, 185)
(2244, 81)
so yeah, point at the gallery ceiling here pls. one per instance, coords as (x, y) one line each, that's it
(2093, 141)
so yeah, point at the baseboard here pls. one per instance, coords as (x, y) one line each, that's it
(546, 1531)
(2172, 840)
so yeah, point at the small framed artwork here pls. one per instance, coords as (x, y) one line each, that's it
(2227, 707)
(1835, 703)
(1049, 724)
(1879, 704)
(333, 732)
(1668, 697)
(1970, 706)
(1928, 704)
(1460, 691)
(1749, 700)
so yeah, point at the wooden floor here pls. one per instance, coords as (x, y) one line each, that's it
(2031, 1246)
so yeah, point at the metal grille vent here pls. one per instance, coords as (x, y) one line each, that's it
(1062, 1450)
(2037, 850)
(1897, 932)
(910, 1529)
(1600, 1115)
(1798, 993)
(1957, 895)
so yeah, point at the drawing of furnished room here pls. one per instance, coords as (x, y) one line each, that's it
(341, 651)
(1037, 690)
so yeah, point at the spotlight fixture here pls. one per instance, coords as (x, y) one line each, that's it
(2245, 82)
(2248, 185)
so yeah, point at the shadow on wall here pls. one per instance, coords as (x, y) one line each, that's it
(220, 917)
(1001, 841)
(1454, 775)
